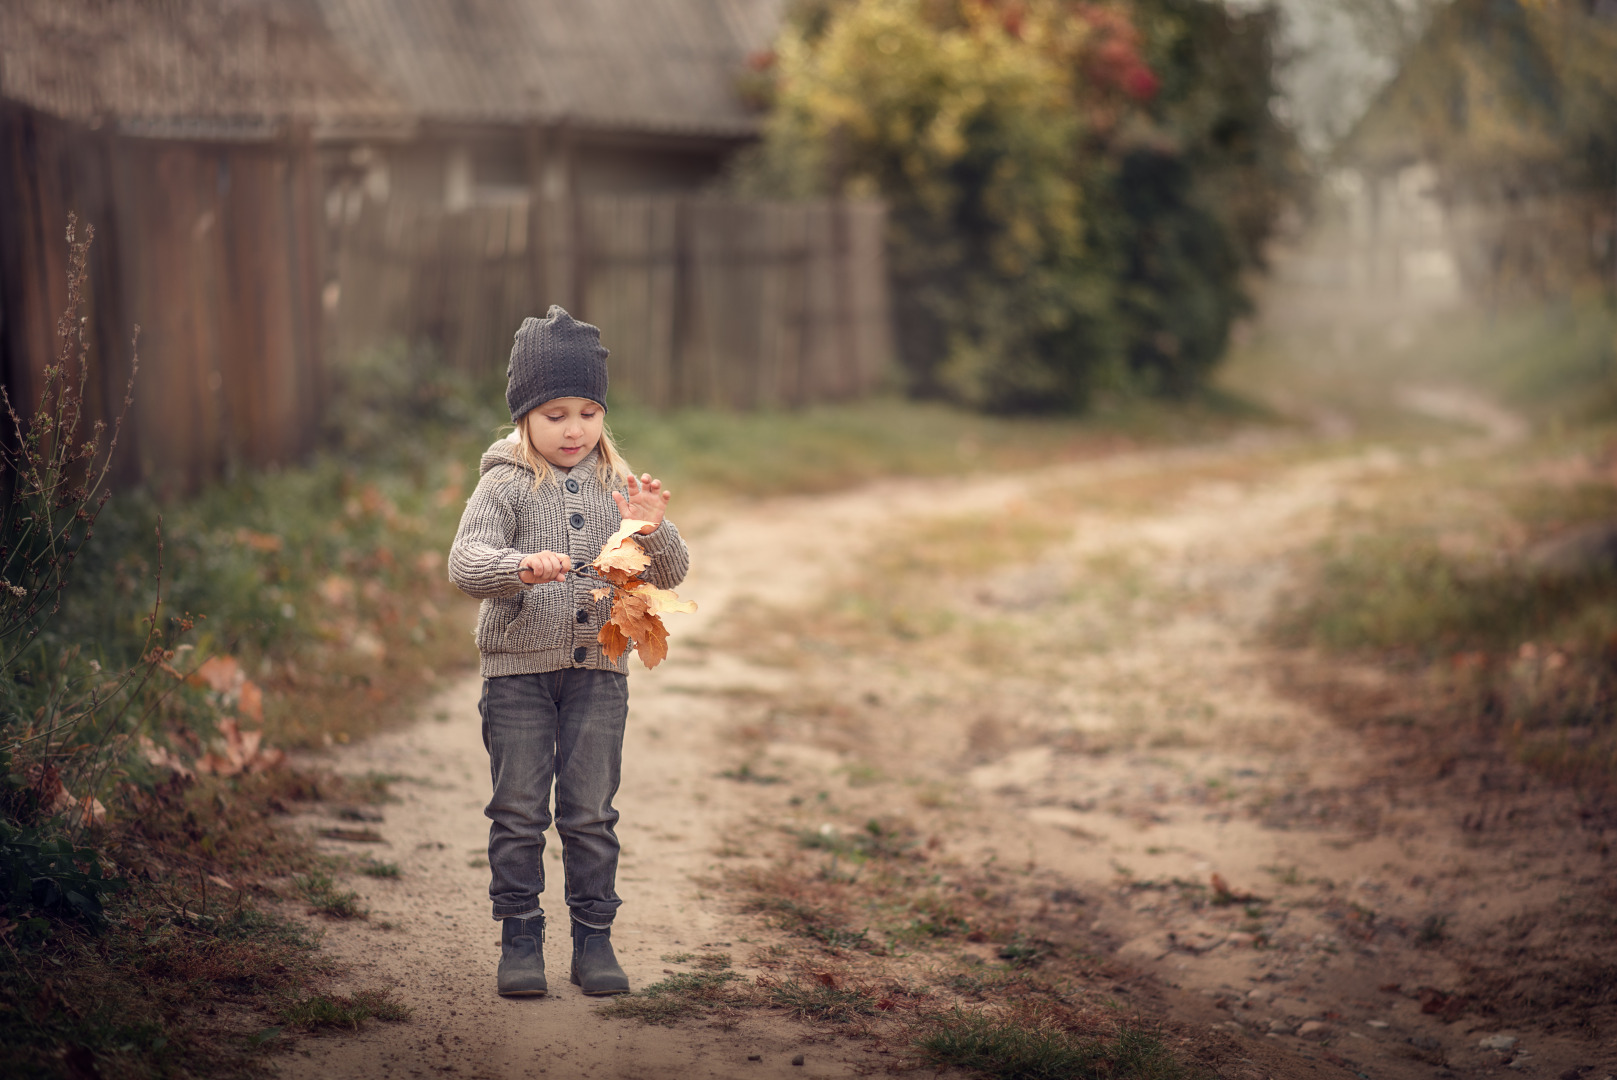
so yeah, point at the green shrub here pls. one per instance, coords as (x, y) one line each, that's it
(1073, 191)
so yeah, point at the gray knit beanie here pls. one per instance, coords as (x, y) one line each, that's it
(554, 357)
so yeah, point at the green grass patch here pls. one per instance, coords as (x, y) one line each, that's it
(1394, 592)
(376, 869)
(1025, 1046)
(832, 447)
(822, 1000)
(810, 921)
(689, 993)
(341, 1011)
(322, 893)
(877, 839)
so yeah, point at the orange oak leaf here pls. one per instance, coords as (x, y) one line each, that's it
(621, 552)
(636, 606)
(239, 752)
(613, 643)
(665, 600)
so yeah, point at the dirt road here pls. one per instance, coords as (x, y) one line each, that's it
(1085, 697)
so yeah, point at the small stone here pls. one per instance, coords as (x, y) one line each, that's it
(1315, 1029)
(798, 1060)
(1424, 1042)
(1379, 1025)
(1279, 1026)
(1521, 1061)
(1497, 1042)
(755, 1057)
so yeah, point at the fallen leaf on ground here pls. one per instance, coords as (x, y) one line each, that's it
(221, 674)
(239, 752)
(164, 758)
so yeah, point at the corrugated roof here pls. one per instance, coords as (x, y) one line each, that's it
(226, 68)
(648, 65)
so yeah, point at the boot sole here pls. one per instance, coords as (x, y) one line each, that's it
(523, 993)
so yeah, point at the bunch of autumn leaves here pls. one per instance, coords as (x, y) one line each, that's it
(637, 605)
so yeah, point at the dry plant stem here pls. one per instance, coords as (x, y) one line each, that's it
(42, 465)
(56, 486)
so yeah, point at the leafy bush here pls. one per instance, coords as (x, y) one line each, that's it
(1074, 190)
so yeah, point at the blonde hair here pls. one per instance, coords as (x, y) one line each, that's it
(610, 469)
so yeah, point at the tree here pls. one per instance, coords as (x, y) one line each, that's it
(1053, 176)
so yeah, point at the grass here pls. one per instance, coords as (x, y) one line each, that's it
(1029, 1045)
(376, 869)
(326, 898)
(193, 962)
(341, 1011)
(1436, 581)
(823, 1000)
(678, 997)
(713, 454)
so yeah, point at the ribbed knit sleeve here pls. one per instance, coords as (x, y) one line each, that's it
(670, 558)
(482, 562)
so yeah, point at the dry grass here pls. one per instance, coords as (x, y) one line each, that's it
(942, 964)
(196, 971)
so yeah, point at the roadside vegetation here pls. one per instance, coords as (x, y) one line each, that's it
(1490, 580)
(144, 925)
(1075, 191)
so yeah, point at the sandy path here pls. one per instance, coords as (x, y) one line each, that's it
(1121, 826)
(430, 937)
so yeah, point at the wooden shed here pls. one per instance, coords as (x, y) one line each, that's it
(184, 133)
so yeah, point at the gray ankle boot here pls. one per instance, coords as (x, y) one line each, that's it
(522, 957)
(595, 968)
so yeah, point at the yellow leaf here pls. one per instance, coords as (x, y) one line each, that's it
(630, 527)
(666, 600)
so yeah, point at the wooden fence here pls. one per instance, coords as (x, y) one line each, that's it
(210, 248)
(703, 301)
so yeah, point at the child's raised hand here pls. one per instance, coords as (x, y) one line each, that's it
(646, 501)
(542, 567)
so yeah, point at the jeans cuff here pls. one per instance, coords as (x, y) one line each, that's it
(593, 926)
(533, 913)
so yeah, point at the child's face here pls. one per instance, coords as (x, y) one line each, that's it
(565, 430)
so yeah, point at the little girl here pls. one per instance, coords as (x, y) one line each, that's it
(553, 706)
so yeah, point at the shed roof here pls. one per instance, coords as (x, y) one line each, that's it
(186, 68)
(639, 65)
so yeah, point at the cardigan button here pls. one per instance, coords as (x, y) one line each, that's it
(572, 485)
(579, 654)
(576, 521)
(583, 615)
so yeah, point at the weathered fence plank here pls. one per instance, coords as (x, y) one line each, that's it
(704, 301)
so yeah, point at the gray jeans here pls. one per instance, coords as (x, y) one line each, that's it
(565, 726)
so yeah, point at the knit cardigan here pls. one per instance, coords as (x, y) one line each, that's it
(524, 629)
